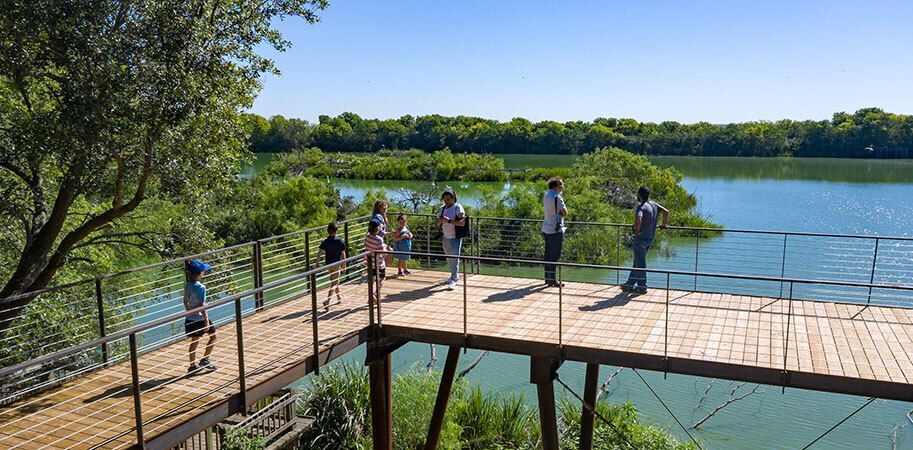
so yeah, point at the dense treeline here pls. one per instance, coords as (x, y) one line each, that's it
(845, 135)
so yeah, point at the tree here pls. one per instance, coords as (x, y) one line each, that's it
(106, 101)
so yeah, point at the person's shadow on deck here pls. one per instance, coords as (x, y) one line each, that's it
(618, 300)
(515, 294)
(126, 390)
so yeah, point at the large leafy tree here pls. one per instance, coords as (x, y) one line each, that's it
(104, 102)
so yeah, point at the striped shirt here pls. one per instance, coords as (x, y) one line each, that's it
(376, 244)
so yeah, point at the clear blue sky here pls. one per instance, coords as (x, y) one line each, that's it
(724, 61)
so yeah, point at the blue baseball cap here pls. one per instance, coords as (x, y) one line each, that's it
(197, 267)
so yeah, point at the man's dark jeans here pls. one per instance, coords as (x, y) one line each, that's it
(640, 247)
(553, 243)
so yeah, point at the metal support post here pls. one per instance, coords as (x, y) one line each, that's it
(465, 303)
(783, 264)
(370, 265)
(137, 403)
(443, 395)
(258, 274)
(872, 277)
(587, 414)
(560, 313)
(316, 336)
(697, 251)
(242, 374)
(102, 330)
(428, 241)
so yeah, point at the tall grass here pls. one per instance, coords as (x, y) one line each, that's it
(339, 399)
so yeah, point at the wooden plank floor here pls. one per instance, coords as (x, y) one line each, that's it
(856, 342)
(96, 409)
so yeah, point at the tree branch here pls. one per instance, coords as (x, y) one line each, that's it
(473, 365)
(96, 222)
(18, 171)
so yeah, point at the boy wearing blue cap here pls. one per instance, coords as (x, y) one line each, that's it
(195, 325)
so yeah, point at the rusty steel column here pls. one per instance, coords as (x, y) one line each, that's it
(542, 374)
(443, 396)
(380, 420)
(589, 404)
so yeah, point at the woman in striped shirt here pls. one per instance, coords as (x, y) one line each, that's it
(375, 243)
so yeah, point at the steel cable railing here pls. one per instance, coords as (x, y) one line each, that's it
(798, 266)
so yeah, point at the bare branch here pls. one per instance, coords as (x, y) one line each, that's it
(18, 171)
(433, 360)
(732, 399)
(604, 389)
(473, 365)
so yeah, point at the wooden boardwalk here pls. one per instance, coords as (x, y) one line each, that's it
(851, 349)
(832, 347)
(96, 410)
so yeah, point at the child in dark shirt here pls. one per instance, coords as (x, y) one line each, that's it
(334, 249)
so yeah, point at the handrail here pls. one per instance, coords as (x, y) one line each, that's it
(663, 271)
(707, 229)
(172, 317)
(167, 262)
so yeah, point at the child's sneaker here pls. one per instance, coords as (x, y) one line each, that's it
(205, 363)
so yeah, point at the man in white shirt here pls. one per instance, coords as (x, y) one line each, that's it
(553, 227)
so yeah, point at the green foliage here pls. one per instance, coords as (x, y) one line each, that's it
(339, 399)
(105, 104)
(389, 165)
(241, 439)
(627, 428)
(263, 207)
(845, 135)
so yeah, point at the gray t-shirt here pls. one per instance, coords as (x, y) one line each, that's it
(552, 202)
(648, 213)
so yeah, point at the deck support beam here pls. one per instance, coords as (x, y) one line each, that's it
(381, 408)
(443, 396)
(542, 372)
(589, 404)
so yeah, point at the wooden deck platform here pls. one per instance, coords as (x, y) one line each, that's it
(832, 347)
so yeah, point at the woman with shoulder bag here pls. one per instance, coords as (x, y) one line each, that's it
(453, 221)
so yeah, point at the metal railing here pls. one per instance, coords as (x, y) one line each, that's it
(99, 306)
(150, 395)
(783, 319)
(886, 260)
(122, 316)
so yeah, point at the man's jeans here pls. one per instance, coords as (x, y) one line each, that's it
(553, 244)
(640, 247)
(453, 247)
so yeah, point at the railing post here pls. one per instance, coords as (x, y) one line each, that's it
(560, 312)
(474, 239)
(428, 241)
(258, 274)
(465, 316)
(783, 264)
(697, 251)
(617, 255)
(102, 331)
(242, 374)
(370, 266)
(789, 316)
(137, 403)
(316, 336)
(307, 251)
(872, 277)
(345, 233)
(666, 333)
(377, 283)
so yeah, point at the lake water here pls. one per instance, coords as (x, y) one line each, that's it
(814, 195)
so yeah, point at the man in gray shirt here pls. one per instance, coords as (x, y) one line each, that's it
(553, 227)
(644, 230)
